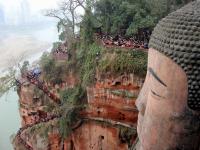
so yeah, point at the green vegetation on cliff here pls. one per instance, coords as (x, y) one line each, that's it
(87, 62)
(124, 93)
(52, 70)
(126, 135)
(68, 121)
(124, 62)
(73, 95)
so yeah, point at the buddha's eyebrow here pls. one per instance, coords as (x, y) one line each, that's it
(156, 76)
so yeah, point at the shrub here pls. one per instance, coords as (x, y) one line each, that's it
(88, 60)
(123, 61)
(126, 135)
(72, 95)
(124, 93)
(56, 45)
(53, 71)
(67, 121)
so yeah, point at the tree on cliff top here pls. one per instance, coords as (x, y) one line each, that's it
(123, 16)
(126, 17)
(9, 80)
(68, 16)
(161, 8)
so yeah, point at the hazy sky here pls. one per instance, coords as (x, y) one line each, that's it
(27, 30)
(22, 11)
(34, 4)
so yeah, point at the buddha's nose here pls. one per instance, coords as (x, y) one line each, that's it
(142, 97)
(140, 105)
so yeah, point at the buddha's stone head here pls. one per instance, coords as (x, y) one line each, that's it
(169, 102)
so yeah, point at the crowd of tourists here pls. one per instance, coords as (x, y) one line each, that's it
(43, 120)
(119, 41)
(33, 78)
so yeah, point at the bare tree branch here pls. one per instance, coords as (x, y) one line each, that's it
(67, 13)
(81, 3)
(54, 13)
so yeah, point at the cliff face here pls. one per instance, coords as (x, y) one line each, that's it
(94, 136)
(110, 114)
(114, 99)
(107, 122)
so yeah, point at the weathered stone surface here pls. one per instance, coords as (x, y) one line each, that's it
(165, 121)
(178, 37)
(111, 106)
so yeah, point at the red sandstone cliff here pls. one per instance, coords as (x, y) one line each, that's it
(110, 109)
(107, 121)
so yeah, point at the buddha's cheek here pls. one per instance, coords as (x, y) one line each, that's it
(155, 125)
(148, 131)
(139, 124)
(149, 138)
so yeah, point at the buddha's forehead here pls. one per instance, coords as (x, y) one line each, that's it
(178, 37)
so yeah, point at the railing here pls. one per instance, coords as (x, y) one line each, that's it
(43, 87)
(51, 95)
(112, 122)
(22, 141)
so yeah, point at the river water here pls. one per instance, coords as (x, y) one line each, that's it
(9, 119)
(16, 44)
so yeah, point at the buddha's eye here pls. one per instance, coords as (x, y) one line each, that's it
(155, 94)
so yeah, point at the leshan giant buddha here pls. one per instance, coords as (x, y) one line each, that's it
(169, 102)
